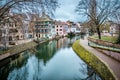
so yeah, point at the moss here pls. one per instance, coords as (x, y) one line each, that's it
(93, 61)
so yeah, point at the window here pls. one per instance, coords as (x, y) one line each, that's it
(10, 38)
(45, 30)
(60, 29)
(56, 29)
(42, 31)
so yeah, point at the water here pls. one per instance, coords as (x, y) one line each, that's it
(54, 60)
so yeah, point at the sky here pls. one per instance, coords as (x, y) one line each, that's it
(67, 11)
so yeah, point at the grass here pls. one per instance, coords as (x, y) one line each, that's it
(93, 61)
(1, 52)
(107, 38)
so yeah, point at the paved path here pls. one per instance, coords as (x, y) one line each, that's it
(112, 54)
(112, 63)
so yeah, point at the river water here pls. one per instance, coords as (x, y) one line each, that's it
(54, 60)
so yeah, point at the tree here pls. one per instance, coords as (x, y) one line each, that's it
(90, 26)
(98, 11)
(30, 5)
(116, 18)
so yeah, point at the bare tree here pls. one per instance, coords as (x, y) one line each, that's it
(28, 6)
(98, 11)
(90, 26)
(33, 5)
(116, 19)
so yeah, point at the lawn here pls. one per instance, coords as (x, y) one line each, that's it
(107, 38)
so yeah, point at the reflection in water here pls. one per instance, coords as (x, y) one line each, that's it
(54, 60)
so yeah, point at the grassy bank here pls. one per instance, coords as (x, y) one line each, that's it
(93, 61)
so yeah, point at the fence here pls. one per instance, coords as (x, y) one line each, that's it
(103, 44)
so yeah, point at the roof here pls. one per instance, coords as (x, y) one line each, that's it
(45, 17)
(60, 23)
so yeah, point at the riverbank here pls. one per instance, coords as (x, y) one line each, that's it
(88, 55)
(17, 49)
(22, 47)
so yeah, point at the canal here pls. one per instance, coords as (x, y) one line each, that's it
(54, 60)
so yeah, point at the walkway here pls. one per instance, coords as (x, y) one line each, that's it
(112, 63)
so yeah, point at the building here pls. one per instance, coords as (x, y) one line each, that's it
(61, 28)
(78, 28)
(64, 28)
(31, 29)
(73, 27)
(44, 27)
(114, 28)
(110, 29)
(9, 32)
(13, 29)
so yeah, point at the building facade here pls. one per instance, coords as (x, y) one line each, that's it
(114, 29)
(61, 28)
(44, 27)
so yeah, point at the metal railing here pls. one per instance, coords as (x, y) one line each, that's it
(103, 44)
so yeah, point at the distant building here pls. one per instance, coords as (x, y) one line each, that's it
(61, 28)
(114, 28)
(78, 28)
(73, 27)
(44, 27)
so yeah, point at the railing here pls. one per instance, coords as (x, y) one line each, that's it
(103, 44)
(95, 62)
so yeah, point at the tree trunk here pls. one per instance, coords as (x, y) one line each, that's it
(98, 32)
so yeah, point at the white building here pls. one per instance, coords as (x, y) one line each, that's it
(74, 28)
(44, 27)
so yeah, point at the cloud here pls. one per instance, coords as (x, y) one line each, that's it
(67, 11)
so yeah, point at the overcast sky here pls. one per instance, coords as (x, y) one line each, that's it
(67, 11)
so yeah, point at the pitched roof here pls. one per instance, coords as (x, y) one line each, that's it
(45, 17)
(60, 23)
